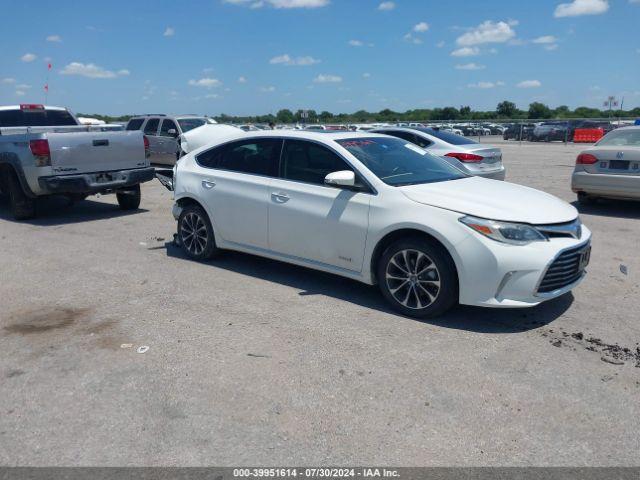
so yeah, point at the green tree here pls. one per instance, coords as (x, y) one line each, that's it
(539, 110)
(285, 116)
(506, 109)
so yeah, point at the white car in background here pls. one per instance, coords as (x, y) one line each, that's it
(473, 157)
(380, 210)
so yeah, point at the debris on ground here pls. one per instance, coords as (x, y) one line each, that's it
(126, 345)
(256, 355)
(142, 349)
(623, 269)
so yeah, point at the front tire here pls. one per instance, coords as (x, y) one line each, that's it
(586, 200)
(196, 234)
(129, 199)
(418, 278)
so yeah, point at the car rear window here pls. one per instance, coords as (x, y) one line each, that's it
(621, 138)
(448, 137)
(36, 118)
(187, 124)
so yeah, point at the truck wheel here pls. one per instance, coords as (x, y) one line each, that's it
(129, 199)
(22, 206)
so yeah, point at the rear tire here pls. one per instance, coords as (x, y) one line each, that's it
(129, 199)
(586, 200)
(22, 206)
(195, 234)
(418, 278)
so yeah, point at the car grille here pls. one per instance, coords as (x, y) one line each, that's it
(566, 269)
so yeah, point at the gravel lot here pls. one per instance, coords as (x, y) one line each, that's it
(255, 362)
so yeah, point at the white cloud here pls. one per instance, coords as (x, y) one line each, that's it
(8, 80)
(268, 89)
(280, 3)
(169, 32)
(123, 73)
(581, 7)
(54, 38)
(205, 82)
(327, 79)
(212, 95)
(91, 70)
(386, 6)
(28, 57)
(488, 32)
(290, 61)
(550, 47)
(23, 86)
(20, 93)
(356, 43)
(411, 38)
(440, 44)
(366, 75)
(466, 52)
(529, 84)
(486, 85)
(545, 39)
(470, 66)
(421, 27)
(242, 80)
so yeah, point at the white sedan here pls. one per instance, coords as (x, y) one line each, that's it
(379, 210)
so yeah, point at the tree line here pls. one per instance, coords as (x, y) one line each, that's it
(505, 110)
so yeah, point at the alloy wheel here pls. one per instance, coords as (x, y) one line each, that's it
(194, 233)
(413, 279)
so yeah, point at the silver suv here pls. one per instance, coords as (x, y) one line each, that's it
(164, 132)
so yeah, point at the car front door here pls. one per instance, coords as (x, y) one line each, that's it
(151, 132)
(233, 181)
(311, 220)
(168, 142)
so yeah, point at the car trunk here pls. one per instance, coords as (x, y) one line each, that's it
(492, 157)
(87, 152)
(613, 160)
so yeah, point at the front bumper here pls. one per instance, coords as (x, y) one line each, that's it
(603, 185)
(493, 274)
(100, 182)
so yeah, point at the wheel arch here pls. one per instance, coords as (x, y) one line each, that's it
(403, 233)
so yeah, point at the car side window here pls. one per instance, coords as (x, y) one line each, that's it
(309, 162)
(421, 141)
(166, 126)
(135, 124)
(151, 128)
(256, 157)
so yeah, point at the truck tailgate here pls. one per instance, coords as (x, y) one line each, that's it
(86, 152)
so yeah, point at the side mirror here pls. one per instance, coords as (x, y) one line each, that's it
(173, 132)
(343, 178)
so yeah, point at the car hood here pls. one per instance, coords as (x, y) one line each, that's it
(493, 199)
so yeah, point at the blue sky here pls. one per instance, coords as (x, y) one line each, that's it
(258, 56)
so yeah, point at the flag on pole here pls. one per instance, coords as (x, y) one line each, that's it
(46, 87)
(48, 66)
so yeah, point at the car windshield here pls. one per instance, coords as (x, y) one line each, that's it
(187, 124)
(450, 138)
(620, 138)
(397, 162)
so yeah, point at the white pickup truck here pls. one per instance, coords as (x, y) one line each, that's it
(45, 151)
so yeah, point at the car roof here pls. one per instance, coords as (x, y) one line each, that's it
(17, 107)
(323, 136)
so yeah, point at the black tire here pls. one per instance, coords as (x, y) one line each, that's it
(23, 207)
(429, 292)
(129, 199)
(586, 200)
(195, 234)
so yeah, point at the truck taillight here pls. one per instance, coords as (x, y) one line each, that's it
(466, 157)
(146, 146)
(586, 159)
(40, 150)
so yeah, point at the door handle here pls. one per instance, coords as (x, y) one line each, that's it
(208, 184)
(280, 197)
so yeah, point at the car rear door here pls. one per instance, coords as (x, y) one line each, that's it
(314, 221)
(167, 142)
(233, 181)
(151, 132)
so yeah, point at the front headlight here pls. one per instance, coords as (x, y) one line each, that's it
(505, 232)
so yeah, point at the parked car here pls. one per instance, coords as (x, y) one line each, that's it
(550, 132)
(473, 157)
(610, 168)
(45, 151)
(164, 132)
(518, 131)
(380, 210)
